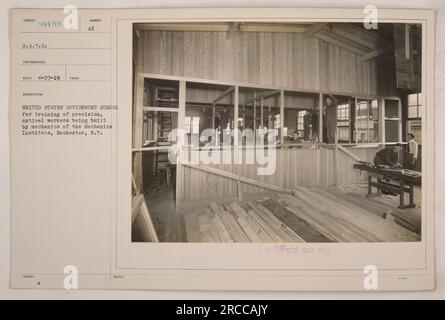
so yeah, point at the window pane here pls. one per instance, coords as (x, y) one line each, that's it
(392, 130)
(343, 134)
(412, 99)
(161, 93)
(374, 122)
(367, 121)
(157, 127)
(412, 112)
(392, 109)
(343, 116)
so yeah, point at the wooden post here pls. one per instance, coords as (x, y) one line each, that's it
(138, 121)
(236, 116)
(240, 191)
(400, 121)
(181, 125)
(336, 162)
(213, 117)
(282, 117)
(382, 121)
(318, 167)
(254, 117)
(320, 117)
(355, 138)
(262, 114)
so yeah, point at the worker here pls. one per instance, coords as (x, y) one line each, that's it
(330, 119)
(412, 152)
(315, 124)
(389, 156)
(306, 125)
(362, 138)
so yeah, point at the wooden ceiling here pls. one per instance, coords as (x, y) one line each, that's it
(368, 44)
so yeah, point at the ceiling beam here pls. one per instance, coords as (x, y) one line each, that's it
(352, 33)
(341, 42)
(222, 95)
(314, 29)
(375, 53)
(263, 96)
(232, 29)
(224, 26)
(273, 27)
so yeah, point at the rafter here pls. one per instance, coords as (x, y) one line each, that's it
(341, 42)
(353, 33)
(375, 53)
(314, 29)
(232, 29)
(264, 96)
(222, 95)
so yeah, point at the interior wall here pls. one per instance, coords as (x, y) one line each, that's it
(294, 167)
(261, 58)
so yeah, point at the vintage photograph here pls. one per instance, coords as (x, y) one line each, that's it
(255, 132)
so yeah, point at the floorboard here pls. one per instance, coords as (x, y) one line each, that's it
(340, 214)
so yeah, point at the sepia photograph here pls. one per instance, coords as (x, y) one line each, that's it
(226, 150)
(255, 132)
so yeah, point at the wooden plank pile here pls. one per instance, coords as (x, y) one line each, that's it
(306, 216)
(382, 206)
(233, 223)
(342, 221)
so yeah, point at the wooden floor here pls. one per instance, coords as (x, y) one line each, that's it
(310, 215)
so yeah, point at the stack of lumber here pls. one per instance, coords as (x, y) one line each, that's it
(341, 220)
(309, 215)
(229, 223)
(381, 206)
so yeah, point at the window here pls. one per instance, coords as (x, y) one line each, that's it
(367, 121)
(414, 106)
(160, 93)
(157, 126)
(300, 121)
(343, 117)
(393, 127)
(192, 125)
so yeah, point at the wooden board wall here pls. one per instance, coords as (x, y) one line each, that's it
(268, 59)
(294, 167)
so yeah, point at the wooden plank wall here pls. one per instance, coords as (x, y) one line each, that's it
(268, 59)
(294, 167)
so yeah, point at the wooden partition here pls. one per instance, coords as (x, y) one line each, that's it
(294, 167)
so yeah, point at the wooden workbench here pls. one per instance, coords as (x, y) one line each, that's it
(406, 182)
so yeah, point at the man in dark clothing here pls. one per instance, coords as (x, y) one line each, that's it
(330, 119)
(306, 125)
(388, 156)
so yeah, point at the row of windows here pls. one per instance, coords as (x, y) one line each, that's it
(360, 123)
(357, 120)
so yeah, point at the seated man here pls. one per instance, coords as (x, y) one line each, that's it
(389, 156)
